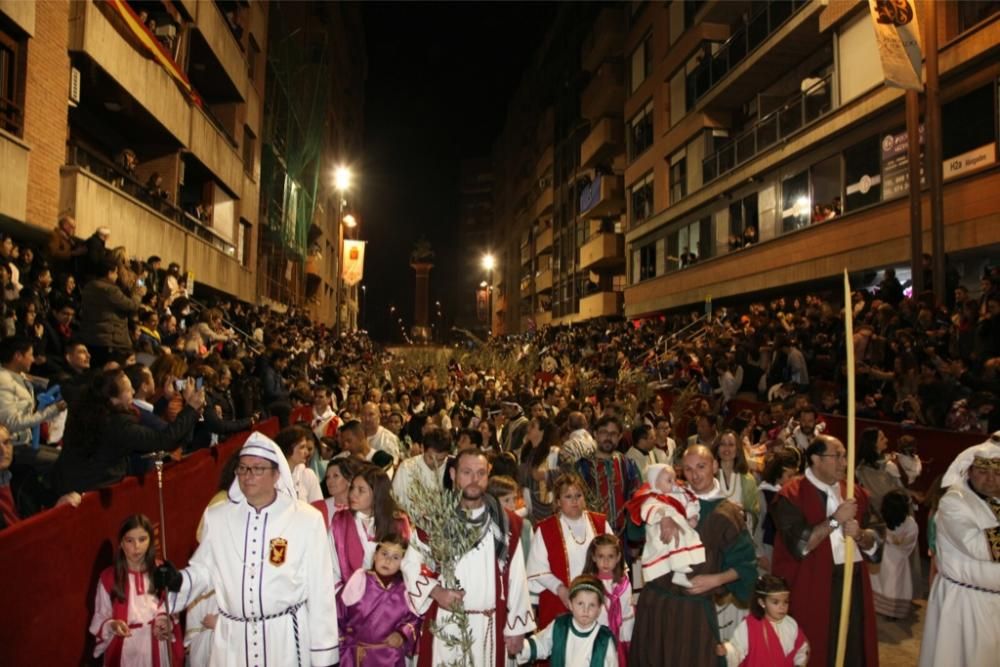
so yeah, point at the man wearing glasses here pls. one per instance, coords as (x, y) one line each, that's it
(812, 521)
(268, 559)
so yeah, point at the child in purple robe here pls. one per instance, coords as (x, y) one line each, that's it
(379, 629)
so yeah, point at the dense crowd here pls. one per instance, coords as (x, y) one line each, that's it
(633, 474)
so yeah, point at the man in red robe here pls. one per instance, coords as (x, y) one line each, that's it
(812, 520)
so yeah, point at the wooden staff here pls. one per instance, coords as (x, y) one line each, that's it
(845, 596)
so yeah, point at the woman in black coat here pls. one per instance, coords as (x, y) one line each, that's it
(103, 428)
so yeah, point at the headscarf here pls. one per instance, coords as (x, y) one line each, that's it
(959, 468)
(653, 472)
(263, 447)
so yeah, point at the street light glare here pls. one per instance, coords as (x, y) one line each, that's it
(342, 178)
(489, 262)
(350, 221)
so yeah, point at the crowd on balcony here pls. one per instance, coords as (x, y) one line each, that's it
(565, 426)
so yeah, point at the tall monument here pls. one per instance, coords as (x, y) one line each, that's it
(422, 261)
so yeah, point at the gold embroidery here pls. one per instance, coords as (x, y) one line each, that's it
(993, 540)
(986, 464)
(279, 550)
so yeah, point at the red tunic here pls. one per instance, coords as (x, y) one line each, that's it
(812, 597)
(119, 612)
(765, 649)
(549, 604)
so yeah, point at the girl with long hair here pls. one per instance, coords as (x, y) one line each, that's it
(606, 561)
(132, 626)
(768, 636)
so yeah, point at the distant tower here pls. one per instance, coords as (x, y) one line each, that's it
(422, 261)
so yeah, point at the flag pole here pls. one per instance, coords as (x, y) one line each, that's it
(845, 597)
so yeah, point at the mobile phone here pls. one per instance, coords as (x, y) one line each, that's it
(199, 383)
(140, 282)
(179, 385)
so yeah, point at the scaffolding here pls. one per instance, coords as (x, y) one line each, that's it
(296, 103)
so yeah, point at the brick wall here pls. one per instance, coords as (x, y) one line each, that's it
(45, 117)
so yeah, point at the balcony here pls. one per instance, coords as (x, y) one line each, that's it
(14, 184)
(605, 250)
(543, 281)
(797, 113)
(314, 265)
(543, 204)
(753, 68)
(605, 39)
(605, 94)
(543, 241)
(91, 33)
(600, 304)
(525, 287)
(543, 167)
(222, 43)
(146, 230)
(214, 149)
(525, 254)
(603, 197)
(606, 139)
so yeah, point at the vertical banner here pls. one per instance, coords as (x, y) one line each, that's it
(482, 304)
(354, 262)
(897, 34)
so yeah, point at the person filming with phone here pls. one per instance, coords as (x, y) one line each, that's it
(103, 429)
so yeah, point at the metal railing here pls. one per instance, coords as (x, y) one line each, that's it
(106, 170)
(798, 112)
(742, 43)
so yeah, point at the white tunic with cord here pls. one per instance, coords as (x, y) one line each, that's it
(272, 572)
(962, 626)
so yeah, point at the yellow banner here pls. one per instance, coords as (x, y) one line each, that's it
(353, 266)
(897, 34)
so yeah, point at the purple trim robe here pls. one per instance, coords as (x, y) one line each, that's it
(373, 611)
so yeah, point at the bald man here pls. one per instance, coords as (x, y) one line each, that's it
(379, 437)
(677, 626)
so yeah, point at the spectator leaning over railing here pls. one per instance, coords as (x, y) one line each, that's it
(103, 429)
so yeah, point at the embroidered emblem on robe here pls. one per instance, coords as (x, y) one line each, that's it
(279, 549)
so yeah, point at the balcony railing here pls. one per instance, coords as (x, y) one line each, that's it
(734, 50)
(108, 171)
(801, 110)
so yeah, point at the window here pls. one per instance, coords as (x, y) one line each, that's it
(12, 74)
(647, 261)
(825, 181)
(971, 12)
(795, 204)
(640, 132)
(253, 53)
(862, 174)
(968, 123)
(641, 199)
(243, 243)
(249, 149)
(678, 176)
(694, 241)
(641, 63)
(744, 224)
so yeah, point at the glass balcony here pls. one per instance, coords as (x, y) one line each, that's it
(797, 113)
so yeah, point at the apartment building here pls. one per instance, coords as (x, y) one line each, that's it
(139, 117)
(538, 230)
(475, 222)
(764, 150)
(312, 123)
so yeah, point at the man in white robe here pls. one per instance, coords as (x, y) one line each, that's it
(494, 587)
(268, 559)
(962, 626)
(379, 437)
(428, 468)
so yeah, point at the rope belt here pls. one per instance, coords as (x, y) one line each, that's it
(291, 611)
(970, 586)
(490, 614)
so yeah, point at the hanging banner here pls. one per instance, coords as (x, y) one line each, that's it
(354, 262)
(897, 34)
(141, 34)
(482, 304)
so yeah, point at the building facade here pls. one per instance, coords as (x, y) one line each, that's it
(475, 222)
(139, 117)
(776, 156)
(723, 149)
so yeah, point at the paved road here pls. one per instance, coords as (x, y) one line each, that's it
(899, 641)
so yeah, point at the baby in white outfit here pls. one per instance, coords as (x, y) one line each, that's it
(665, 498)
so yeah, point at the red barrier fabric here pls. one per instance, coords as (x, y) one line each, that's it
(51, 562)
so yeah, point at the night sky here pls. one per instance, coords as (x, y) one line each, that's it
(439, 79)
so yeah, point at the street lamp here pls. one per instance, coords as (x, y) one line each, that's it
(489, 263)
(342, 177)
(364, 313)
(350, 221)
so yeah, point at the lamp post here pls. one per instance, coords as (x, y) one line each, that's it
(342, 178)
(364, 313)
(489, 263)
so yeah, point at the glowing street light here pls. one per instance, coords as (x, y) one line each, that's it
(342, 178)
(350, 221)
(489, 261)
